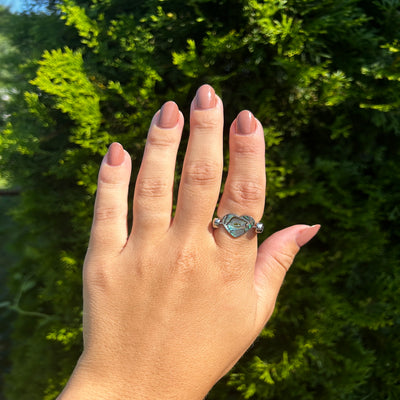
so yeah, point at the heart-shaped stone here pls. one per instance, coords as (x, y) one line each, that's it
(237, 226)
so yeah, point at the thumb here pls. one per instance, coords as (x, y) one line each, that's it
(275, 256)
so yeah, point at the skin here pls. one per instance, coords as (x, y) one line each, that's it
(171, 306)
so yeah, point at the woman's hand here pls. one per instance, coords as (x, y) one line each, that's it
(171, 306)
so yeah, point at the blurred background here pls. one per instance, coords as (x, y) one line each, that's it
(324, 79)
(13, 5)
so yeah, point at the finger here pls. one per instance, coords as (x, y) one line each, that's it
(202, 169)
(109, 228)
(152, 205)
(244, 191)
(275, 256)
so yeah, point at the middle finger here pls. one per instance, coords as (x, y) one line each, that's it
(202, 168)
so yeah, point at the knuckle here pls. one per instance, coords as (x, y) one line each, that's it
(203, 172)
(186, 259)
(233, 274)
(281, 261)
(152, 187)
(109, 181)
(101, 280)
(98, 275)
(161, 139)
(246, 148)
(233, 270)
(247, 191)
(107, 214)
(205, 125)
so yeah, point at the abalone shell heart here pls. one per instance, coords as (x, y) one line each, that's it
(237, 226)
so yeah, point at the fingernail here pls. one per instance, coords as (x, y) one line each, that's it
(169, 115)
(115, 154)
(205, 98)
(245, 123)
(306, 234)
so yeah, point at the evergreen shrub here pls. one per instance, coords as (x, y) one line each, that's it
(324, 79)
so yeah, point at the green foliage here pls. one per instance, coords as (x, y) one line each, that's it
(76, 16)
(6, 259)
(322, 76)
(61, 75)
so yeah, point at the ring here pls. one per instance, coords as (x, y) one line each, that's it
(237, 226)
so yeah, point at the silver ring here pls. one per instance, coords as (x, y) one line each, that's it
(237, 226)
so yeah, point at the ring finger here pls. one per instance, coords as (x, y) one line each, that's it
(244, 192)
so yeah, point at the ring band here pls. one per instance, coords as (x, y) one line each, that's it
(237, 226)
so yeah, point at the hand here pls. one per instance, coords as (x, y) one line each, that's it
(172, 306)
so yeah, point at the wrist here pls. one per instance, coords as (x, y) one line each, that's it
(86, 384)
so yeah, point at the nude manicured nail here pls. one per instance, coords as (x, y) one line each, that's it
(205, 98)
(115, 154)
(306, 234)
(245, 123)
(169, 115)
